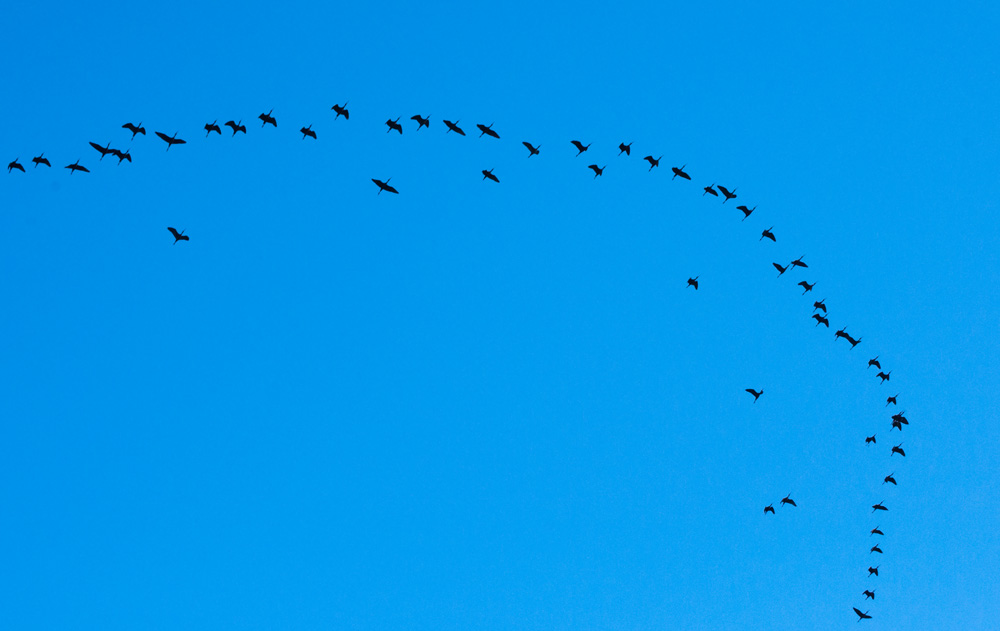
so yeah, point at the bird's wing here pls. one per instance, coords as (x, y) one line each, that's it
(174, 232)
(163, 136)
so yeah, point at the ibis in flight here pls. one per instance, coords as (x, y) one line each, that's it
(898, 449)
(580, 147)
(210, 127)
(122, 155)
(307, 131)
(896, 425)
(40, 159)
(394, 125)
(879, 506)
(267, 118)
(76, 166)
(876, 531)
(421, 121)
(135, 129)
(869, 594)
(899, 417)
(767, 234)
(862, 616)
(889, 478)
(15, 165)
(871, 440)
(854, 342)
(488, 130)
(454, 127)
(798, 262)
(781, 270)
(875, 548)
(806, 287)
(341, 110)
(596, 169)
(626, 149)
(709, 190)
(693, 282)
(884, 376)
(653, 162)
(873, 570)
(821, 304)
(532, 150)
(178, 236)
(170, 141)
(891, 399)
(237, 127)
(821, 320)
(756, 395)
(769, 509)
(727, 193)
(384, 186)
(874, 362)
(679, 172)
(788, 500)
(746, 211)
(489, 174)
(102, 150)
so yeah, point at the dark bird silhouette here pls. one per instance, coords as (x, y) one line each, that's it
(873, 570)
(421, 121)
(237, 127)
(580, 148)
(898, 449)
(896, 425)
(879, 506)
(746, 211)
(869, 594)
(122, 155)
(756, 395)
(891, 399)
(170, 141)
(454, 127)
(876, 531)
(341, 110)
(875, 548)
(899, 417)
(788, 500)
(487, 129)
(871, 440)
(799, 263)
(693, 282)
(767, 234)
(307, 131)
(210, 127)
(679, 172)
(40, 159)
(884, 376)
(626, 149)
(874, 362)
(76, 166)
(862, 616)
(806, 286)
(384, 186)
(854, 342)
(394, 125)
(781, 270)
(727, 193)
(267, 118)
(532, 150)
(891, 479)
(769, 509)
(178, 236)
(820, 305)
(489, 174)
(821, 320)
(15, 165)
(135, 129)
(596, 169)
(709, 190)
(841, 333)
(102, 150)
(653, 162)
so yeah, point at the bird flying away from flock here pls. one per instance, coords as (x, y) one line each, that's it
(580, 147)
(170, 141)
(454, 127)
(341, 110)
(532, 150)
(756, 393)
(488, 130)
(384, 186)
(237, 127)
(267, 118)
(178, 236)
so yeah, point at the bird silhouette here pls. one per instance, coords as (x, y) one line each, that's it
(853, 342)
(709, 190)
(884, 376)
(135, 129)
(788, 500)
(891, 399)
(873, 570)
(767, 234)
(122, 155)
(626, 149)
(874, 362)
(237, 127)
(746, 211)
(421, 121)
(679, 172)
(267, 118)
(841, 333)
(40, 159)
(102, 150)
(891, 479)
(489, 174)
(820, 305)
(178, 236)
(781, 270)
(869, 594)
(879, 506)
(896, 425)
(15, 165)
(341, 110)
(170, 141)
(876, 531)
(806, 286)
(488, 130)
(76, 166)
(821, 320)
(580, 148)
(898, 449)
(307, 131)
(384, 186)
(394, 125)
(875, 548)
(596, 169)
(454, 127)
(756, 393)
(862, 616)
(727, 193)
(693, 282)
(871, 440)
(799, 263)
(532, 150)
(653, 162)
(899, 417)
(769, 509)
(210, 127)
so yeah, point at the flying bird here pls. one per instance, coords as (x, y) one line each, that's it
(869, 594)
(710, 191)
(889, 478)
(679, 172)
(15, 165)
(384, 186)
(896, 425)
(884, 376)
(781, 270)
(653, 162)
(898, 449)
(891, 399)
(806, 286)
(769, 509)
(788, 500)
(727, 193)
(873, 570)
(854, 342)
(532, 150)
(862, 616)
(341, 110)
(693, 282)
(487, 129)
(489, 174)
(798, 262)
(307, 131)
(122, 155)
(178, 236)
(876, 531)
(394, 125)
(821, 320)
(170, 141)
(40, 159)
(267, 118)
(626, 149)
(820, 305)
(746, 211)
(237, 127)
(580, 147)
(899, 417)
(596, 169)
(421, 121)
(135, 129)
(874, 362)
(102, 150)
(210, 127)
(875, 548)
(841, 333)
(756, 395)
(76, 166)
(454, 127)
(767, 234)
(879, 506)
(871, 440)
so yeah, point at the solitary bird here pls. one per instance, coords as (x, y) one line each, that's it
(769, 509)
(135, 129)
(653, 162)
(871, 440)
(767, 234)
(679, 172)
(820, 305)
(626, 149)
(710, 190)
(394, 124)
(487, 129)
(879, 506)
(532, 150)
(341, 110)
(210, 127)
(421, 121)
(122, 155)
(307, 131)
(788, 500)
(267, 118)
(178, 236)
(237, 127)
(806, 287)
(102, 150)
(799, 263)
(884, 376)
(781, 270)
(874, 362)
(875, 548)
(889, 478)
(756, 395)
(76, 166)
(727, 193)
(489, 174)
(580, 148)
(40, 159)
(862, 616)
(873, 570)
(746, 211)
(15, 165)
(869, 594)
(693, 282)
(596, 169)
(454, 127)
(384, 186)
(876, 531)
(898, 449)
(170, 141)
(821, 320)
(891, 399)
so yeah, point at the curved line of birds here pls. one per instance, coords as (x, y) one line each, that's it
(898, 420)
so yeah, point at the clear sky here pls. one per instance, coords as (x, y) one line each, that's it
(498, 406)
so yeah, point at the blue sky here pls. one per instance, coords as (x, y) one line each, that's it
(498, 406)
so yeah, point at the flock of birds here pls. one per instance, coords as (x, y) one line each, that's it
(714, 189)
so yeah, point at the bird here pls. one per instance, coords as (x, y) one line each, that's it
(178, 236)
(487, 129)
(532, 150)
(170, 141)
(756, 393)
(102, 150)
(394, 124)
(727, 193)
(841, 333)
(307, 131)
(891, 399)
(15, 165)
(76, 166)
(746, 211)
(781, 270)
(237, 127)
(122, 155)
(788, 500)
(767, 234)
(862, 616)
(806, 286)
(820, 305)
(454, 127)
(40, 159)
(873, 570)
(421, 121)
(710, 190)
(874, 362)
(597, 170)
(626, 149)
(876, 531)
(884, 376)
(879, 506)
(384, 186)
(854, 342)
(889, 478)
(341, 110)
(210, 127)
(898, 449)
(871, 440)
(899, 417)
(821, 320)
(580, 148)
(489, 174)
(896, 425)
(679, 172)
(869, 594)
(135, 129)
(653, 162)
(875, 548)
(267, 118)
(693, 282)
(799, 263)
(769, 509)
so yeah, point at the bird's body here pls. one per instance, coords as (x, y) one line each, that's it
(489, 174)
(693, 282)
(870, 440)
(394, 126)
(40, 159)
(889, 478)
(653, 162)
(76, 166)
(580, 147)
(102, 150)
(135, 129)
(237, 127)
(729, 194)
(898, 449)
(781, 270)
(769, 509)
(679, 172)
(874, 362)
(454, 127)
(532, 150)
(267, 118)
(756, 395)
(178, 236)
(806, 286)
(820, 305)
(341, 110)
(746, 211)
(307, 131)
(596, 169)
(626, 149)
(710, 190)
(384, 186)
(15, 165)
(884, 376)
(421, 121)
(170, 141)
(487, 129)
(788, 500)
(210, 127)
(821, 320)
(767, 234)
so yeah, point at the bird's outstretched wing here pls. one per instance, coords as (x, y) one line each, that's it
(174, 232)
(162, 135)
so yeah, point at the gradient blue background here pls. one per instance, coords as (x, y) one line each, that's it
(482, 406)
